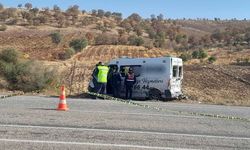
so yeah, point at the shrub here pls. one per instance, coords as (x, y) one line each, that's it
(78, 44)
(3, 27)
(56, 37)
(195, 54)
(185, 56)
(9, 55)
(211, 59)
(30, 76)
(201, 54)
(238, 60)
(246, 60)
(26, 76)
(134, 40)
(69, 53)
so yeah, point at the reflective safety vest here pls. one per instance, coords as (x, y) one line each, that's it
(102, 74)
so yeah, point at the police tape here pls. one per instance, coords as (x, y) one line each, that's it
(168, 110)
(18, 94)
(11, 95)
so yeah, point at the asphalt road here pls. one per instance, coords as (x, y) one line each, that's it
(31, 122)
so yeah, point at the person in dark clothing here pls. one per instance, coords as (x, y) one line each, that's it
(95, 76)
(116, 82)
(129, 82)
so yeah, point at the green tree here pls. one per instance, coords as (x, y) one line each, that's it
(160, 39)
(135, 17)
(28, 6)
(117, 16)
(73, 10)
(84, 11)
(138, 30)
(126, 25)
(34, 11)
(94, 12)
(20, 5)
(108, 14)
(100, 13)
(160, 17)
(56, 8)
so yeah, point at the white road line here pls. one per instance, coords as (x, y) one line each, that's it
(91, 144)
(129, 132)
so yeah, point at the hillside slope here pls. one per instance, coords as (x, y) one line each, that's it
(201, 84)
(218, 84)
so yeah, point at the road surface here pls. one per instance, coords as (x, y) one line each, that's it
(31, 122)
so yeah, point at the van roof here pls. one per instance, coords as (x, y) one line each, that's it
(155, 58)
(133, 60)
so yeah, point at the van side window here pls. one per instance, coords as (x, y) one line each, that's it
(136, 69)
(175, 69)
(180, 71)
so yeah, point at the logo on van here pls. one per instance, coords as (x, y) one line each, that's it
(148, 81)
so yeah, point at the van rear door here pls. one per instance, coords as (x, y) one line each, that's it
(175, 82)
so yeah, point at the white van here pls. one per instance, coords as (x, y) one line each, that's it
(157, 78)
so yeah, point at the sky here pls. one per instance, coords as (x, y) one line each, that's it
(174, 9)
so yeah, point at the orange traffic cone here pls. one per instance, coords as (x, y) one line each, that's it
(62, 103)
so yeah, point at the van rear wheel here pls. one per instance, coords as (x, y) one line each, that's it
(154, 94)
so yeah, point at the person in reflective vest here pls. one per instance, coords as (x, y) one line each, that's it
(129, 82)
(102, 76)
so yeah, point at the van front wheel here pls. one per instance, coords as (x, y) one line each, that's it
(154, 94)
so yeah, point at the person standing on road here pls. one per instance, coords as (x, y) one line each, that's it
(129, 82)
(95, 77)
(116, 80)
(102, 75)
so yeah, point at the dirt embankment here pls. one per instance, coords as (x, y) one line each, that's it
(218, 84)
